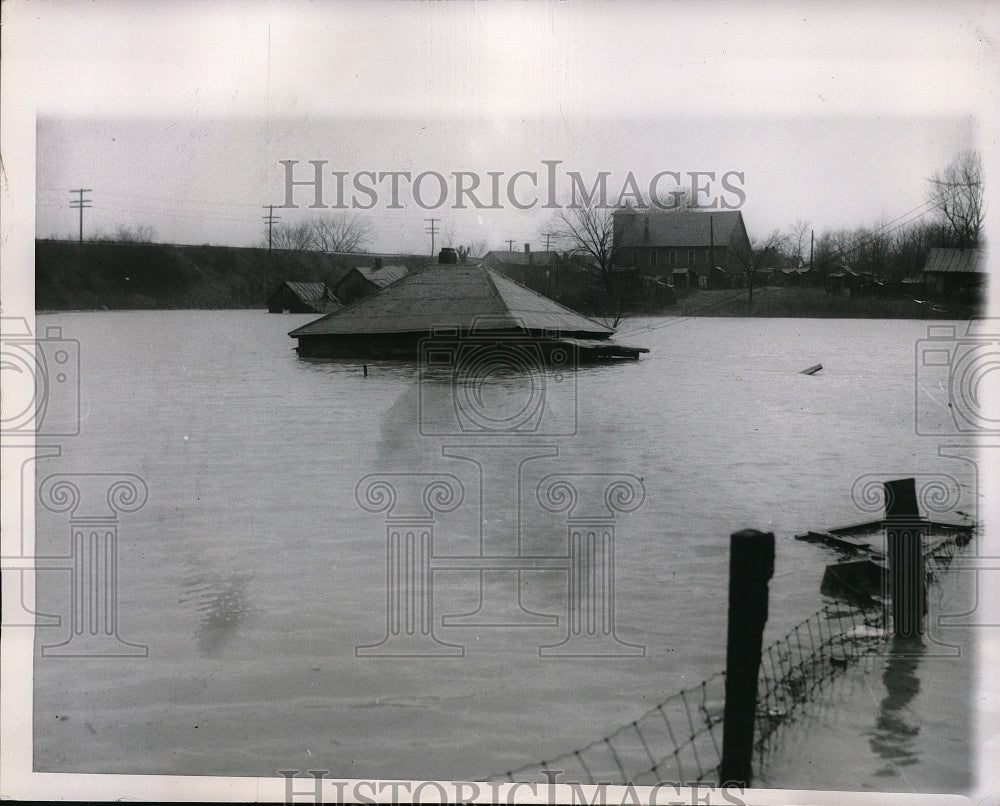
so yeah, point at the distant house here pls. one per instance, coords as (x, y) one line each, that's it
(292, 297)
(952, 271)
(363, 281)
(473, 306)
(671, 243)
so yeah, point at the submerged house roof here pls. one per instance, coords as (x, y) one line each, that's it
(460, 296)
(304, 297)
(467, 298)
(382, 275)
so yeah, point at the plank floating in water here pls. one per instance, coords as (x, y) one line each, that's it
(812, 370)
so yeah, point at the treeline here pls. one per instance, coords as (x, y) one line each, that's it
(890, 253)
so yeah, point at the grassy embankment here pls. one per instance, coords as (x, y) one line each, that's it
(117, 276)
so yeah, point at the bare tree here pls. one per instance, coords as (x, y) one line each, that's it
(295, 237)
(476, 249)
(447, 231)
(339, 233)
(142, 233)
(958, 193)
(590, 231)
(797, 241)
(756, 254)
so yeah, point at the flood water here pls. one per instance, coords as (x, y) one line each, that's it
(252, 573)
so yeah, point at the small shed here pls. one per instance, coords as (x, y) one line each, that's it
(294, 297)
(952, 271)
(363, 281)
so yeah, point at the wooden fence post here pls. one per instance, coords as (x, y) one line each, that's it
(904, 532)
(751, 566)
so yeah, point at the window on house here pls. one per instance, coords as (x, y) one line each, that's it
(672, 258)
(691, 257)
(635, 257)
(652, 257)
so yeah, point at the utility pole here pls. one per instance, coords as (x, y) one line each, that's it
(270, 218)
(510, 244)
(812, 240)
(548, 240)
(432, 231)
(80, 203)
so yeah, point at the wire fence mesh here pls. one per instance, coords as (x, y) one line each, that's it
(680, 739)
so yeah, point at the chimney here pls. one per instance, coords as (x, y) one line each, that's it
(527, 251)
(378, 264)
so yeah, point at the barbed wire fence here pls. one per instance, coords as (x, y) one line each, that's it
(680, 739)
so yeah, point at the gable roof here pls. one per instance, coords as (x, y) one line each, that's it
(463, 296)
(312, 294)
(382, 275)
(956, 260)
(676, 228)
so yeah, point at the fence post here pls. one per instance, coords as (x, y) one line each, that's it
(904, 531)
(751, 566)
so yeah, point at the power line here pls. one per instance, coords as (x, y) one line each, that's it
(432, 231)
(270, 218)
(80, 203)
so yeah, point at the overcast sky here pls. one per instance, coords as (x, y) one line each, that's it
(177, 115)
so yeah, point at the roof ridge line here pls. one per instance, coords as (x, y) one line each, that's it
(547, 299)
(496, 293)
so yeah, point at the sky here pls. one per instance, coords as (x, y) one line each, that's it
(178, 115)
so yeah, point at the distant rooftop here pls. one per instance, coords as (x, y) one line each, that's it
(382, 275)
(956, 260)
(677, 228)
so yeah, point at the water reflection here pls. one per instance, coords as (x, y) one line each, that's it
(223, 604)
(896, 728)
